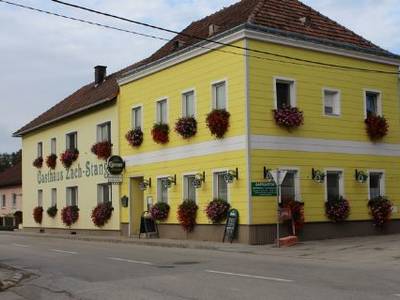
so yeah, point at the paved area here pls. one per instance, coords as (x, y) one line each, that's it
(359, 268)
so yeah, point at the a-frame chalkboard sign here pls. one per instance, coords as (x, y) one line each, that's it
(148, 226)
(231, 225)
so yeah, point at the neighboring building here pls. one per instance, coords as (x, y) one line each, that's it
(11, 197)
(86, 117)
(187, 78)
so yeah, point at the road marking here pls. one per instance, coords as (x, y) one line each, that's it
(396, 295)
(21, 245)
(250, 276)
(63, 251)
(131, 261)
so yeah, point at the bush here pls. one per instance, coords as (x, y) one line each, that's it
(52, 211)
(337, 211)
(380, 210)
(69, 215)
(187, 213)
(102, 213)
(217, 210)
(186, 127)
(218, 122)
(38, 214)
(159, 211)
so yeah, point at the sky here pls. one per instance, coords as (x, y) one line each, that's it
(43, 58)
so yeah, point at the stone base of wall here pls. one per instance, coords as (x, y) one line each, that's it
(73, 231)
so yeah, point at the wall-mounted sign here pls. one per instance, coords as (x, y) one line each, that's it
(263, 189)
(115, 165)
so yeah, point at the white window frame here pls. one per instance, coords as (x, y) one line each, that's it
(167, 112)
(293, 90)
(133, 120)
(157, 193)
(53, 195)
(379, 104)
(381, 183)
(68, 202)
(53, 145)
(215, 184)
(184, 185)
(14, 200)
(339, 103)
(341, 182)
(183, 102)
(40, 149)
(213, 93)
(99, 127)
(40, 197)
(296, 181)
(101, 186)
(66, 139)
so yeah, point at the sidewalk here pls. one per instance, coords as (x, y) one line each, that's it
(382, 249)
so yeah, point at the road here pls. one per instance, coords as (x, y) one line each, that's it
(71, 269)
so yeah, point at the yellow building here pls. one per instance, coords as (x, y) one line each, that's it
(87, 117)
(264, 55)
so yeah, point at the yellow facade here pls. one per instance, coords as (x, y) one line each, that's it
(85, 173)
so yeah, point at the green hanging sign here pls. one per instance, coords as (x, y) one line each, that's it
(263, 189)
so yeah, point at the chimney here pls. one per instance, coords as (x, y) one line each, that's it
(212, 29)
(100, 73)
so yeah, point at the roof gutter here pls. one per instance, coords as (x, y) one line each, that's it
(71, 113)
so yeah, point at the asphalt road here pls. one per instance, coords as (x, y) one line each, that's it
(69, 269)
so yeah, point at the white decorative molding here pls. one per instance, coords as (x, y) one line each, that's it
(188, 151)
(264, 142)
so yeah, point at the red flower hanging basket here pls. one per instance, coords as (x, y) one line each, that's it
(288, 117)
(160, 133)
(102, 150)
(380, 209)
(187, 213)
(217, 210)
(218, 122)
(68, 157)
(38, 214)
(134, 137)
(69, 215)
(51, 161)
(337, 211)
(38, 162)
(160, 211)
(377, 127)
(102, 213)
(186, 127)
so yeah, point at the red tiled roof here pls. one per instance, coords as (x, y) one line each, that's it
(11, 176)
(284, 16)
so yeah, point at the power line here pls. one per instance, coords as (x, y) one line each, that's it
(217, 42)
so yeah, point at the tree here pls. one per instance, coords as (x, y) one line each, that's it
(9, 159)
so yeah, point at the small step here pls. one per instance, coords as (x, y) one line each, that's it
(288, 241)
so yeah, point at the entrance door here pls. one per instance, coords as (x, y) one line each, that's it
(136, 205)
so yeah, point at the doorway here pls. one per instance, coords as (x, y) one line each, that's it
(136, 205)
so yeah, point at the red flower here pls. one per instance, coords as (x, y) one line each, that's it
(218, 122)
(377, 127)
(38, 162)
(288, 117)
(297, 209)
(381, 210)
(217, 210)
(69, 215)
(337, 211)
(102, 150)
(38, 214)
(102, 213)
(134, 137)
(187, 212)
(186, 127)
(68, 157)
(51, 161)
(160, 133)
(160, 211)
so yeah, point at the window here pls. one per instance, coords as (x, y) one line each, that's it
(220, 186)
(284, 93)
(188, 104)
(40, 149)
(104, 132)
(331, 103)
(376, 180)
(137, 117)
(3, 201)
(162, 117)
(72, 141)
(372, 103)
(189, 192)
(53, 197)
(219, 95)
(334, 186)
(53, 146)
(40, 198)
(72, 196)
(289, 186)
(103, 193)
(162, 190)
(14, 200)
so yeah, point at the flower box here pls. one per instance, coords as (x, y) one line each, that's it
(69, 215)
(159, 211)
(297, 211)
(68, 157)
(38, 162)
(51, 161)
(38, 214)
(380, 209)
(186, 127)
(134, 137)
(377, 127)
(160, 133)
(52, 211)
(102, 213)
(102, 150)
(187, 213)
(288, 117)
(218, 122)
(217, 210)
(337, 211)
